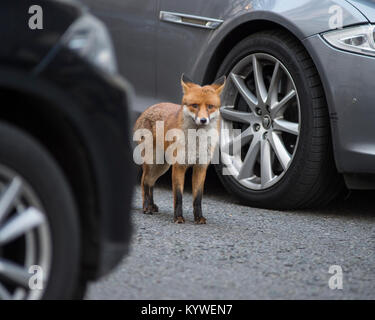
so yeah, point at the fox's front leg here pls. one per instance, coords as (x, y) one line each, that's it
(178, 179)
(199, 176)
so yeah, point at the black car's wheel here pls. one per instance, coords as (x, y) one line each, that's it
(276, 148)
(39, 231)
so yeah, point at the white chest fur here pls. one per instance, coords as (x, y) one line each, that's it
(200, 141)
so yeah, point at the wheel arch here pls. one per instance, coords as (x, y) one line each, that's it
(237, 33)
(43, 119)
(240, 31)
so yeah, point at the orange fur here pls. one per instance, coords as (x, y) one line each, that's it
(199, 109)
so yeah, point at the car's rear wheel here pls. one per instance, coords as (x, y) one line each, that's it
(39, 231)
(276, 150)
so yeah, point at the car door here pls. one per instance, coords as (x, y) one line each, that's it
(132, 24)
(184, 26)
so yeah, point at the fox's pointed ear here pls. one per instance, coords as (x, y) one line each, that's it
(186, 79)
(186, 83)
(219, 84)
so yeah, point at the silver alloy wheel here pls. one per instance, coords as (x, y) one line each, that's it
(25, 238)
(261, 102)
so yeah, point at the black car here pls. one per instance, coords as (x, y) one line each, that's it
(66, 173)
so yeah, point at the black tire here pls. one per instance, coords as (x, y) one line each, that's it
(28, 158)
(312, 179)
(80, 291)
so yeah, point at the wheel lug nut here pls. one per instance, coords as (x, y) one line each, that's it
(256, 127)
(258, 111)
(265, 135)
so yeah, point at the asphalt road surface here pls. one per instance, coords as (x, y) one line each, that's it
(246, 253)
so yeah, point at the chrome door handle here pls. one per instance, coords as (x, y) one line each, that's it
(190, 20)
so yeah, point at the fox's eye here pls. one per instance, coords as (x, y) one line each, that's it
(210, 106)
(195, 106)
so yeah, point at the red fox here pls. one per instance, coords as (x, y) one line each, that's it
(199, 110)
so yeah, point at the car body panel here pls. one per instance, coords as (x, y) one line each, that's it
(99, 120)
(199, 52)
(351, 102)
(153, 54)
(133, 27)
(367, 7)
(195, 47)
(98, 112)
(24, 48)
(36, 64)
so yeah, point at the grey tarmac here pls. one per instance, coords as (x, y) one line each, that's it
(244, 252)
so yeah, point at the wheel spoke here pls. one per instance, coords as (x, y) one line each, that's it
(279, 148)
(230, 114)
(268, 156)
(14, 273)
(266, 172)
(4, 293)
(261, 90)
(238, 142)
(272, 91)
(247, 169)
(279, 107)
(20, 224)
(286, 126)
(9, 196)
(245, 92)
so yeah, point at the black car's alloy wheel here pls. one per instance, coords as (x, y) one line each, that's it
(276, 150)
(39, 229)
(25, 238)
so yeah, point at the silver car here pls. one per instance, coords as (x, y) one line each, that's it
(300, 86)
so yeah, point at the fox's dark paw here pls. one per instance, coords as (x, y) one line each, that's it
(200, 220)
(150, 209)
(147, 211)
(179, 220)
